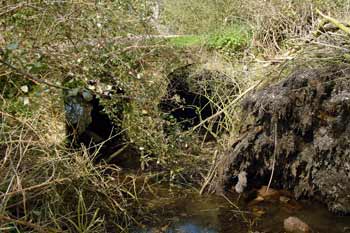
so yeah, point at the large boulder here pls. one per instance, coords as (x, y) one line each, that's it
(298, 133)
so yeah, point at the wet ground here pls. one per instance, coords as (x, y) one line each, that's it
(187, 212)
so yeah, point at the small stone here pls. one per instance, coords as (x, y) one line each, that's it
(25, 88)
(109, 87)
(25, 101)
(91, 87)
(295, 225)
(284, 199)
(87, 95)
(268, 194)
(242, 182)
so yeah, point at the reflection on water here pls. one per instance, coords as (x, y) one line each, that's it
(190, 213)
(181, 228)
(192, 228)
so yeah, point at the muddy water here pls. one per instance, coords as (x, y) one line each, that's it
(187, 212)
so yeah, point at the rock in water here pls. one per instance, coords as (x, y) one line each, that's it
(242, 182)
(295, 225)
(301, 127)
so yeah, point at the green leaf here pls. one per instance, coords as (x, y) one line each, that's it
(37, 67)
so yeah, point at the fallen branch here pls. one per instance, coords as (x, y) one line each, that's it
(143, 47)
(335, 22)
(145, 37)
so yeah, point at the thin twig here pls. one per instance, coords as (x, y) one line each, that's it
(20, 5)
(143, 47)
(235, 206)
(31, 77)
(35, 227)
(274, 158)
(35, 187)
(330, 46)
(229, 105)
(211, 173)
(335, 22)
(2, 114)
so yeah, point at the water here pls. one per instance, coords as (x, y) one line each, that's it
(187, 212)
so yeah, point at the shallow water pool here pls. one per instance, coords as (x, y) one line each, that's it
(187, 212)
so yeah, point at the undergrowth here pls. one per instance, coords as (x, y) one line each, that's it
(50, 48)
(46, 187)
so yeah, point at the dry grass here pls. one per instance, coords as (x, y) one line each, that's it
(273, 22)
(46, 187)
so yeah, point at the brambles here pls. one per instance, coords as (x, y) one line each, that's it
(113, 69)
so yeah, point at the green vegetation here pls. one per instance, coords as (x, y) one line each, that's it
(234, 38)
(186, 41)
(48, 49)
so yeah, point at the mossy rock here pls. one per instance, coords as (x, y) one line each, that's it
(300, 128)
